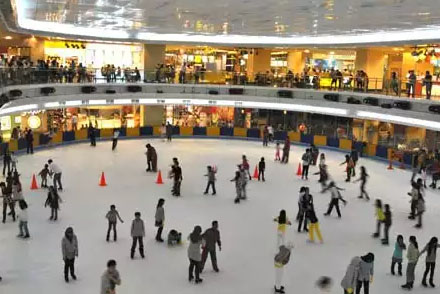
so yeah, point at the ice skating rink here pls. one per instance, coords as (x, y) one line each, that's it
(247, 229)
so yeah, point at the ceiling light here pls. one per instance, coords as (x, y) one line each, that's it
(307, 51)
(8, 37)
(332, 53)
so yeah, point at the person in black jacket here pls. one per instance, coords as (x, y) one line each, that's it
(304, 203)
(363, 180)
(354, 155)
(261, 169)
(53, 201)
(7, 202)
(169, 131)
(212, 238)
(92, 135)
(151, 158)
(29, 141)
(6, 161)
(387, 224)
(315, 154)
(176, 174)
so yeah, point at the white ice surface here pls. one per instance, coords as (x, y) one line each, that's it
(248, 232)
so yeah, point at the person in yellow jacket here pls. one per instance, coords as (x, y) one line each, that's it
(380, 217)
(282, 221)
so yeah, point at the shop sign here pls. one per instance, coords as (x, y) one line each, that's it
(34, 122)
(5, 123)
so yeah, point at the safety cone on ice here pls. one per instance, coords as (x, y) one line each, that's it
(34, 185)
(299, 171)
(159, 178)
(102, 182)
(255, 172)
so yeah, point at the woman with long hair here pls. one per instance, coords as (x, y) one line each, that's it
(431, 255)
(159, 219)
(413, 255)
(195, 254)
(282, 221)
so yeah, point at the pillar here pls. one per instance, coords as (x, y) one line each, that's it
(153, 54)
(372, 61)
(258, 61)
(296, 61)
(153, 115)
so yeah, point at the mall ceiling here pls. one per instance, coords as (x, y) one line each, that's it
(235, 22)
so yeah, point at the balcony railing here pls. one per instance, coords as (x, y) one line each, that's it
(396, 87)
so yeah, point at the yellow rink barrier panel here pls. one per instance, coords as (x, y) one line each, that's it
(157, 131)
(57, 137)
(13, 145)
(294, 136)
(81, 134)
(105, 133)
(345, 144)
(186, 131)
(320, 140)
(240, 132)
(371, 149)
(133, 132)
(36, 140)
(213, 131)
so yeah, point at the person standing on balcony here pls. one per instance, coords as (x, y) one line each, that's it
(29, 135)
(394, 83)
(334, 79)
(427, 82)
(411, 84)
(182, 73)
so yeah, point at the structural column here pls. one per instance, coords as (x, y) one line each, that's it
(153, 54)
(258, 62)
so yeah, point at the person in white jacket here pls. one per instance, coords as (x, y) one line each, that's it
(281, 259)
(69, 248)
(110, 278)
(23, 220)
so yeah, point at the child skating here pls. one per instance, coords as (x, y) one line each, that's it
(380, 217)
(398, 255)
(159, 219)
(335, 198)
(137, 234)
(23, 220)
(261, 169)
(44, 173)
(363, 180)
(277, 152)
(53, 201)
(237, 180)
(211, 180)
(112, 216)
(245, 166)
(280, 261)
(282, 221)
(387, 224)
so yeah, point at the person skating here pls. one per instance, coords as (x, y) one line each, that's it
(115, 139)
(243, 181)
(211, 180)
(112, 217)
(322, 159)
(238, 185)
(44, 173)
(286, 150)
(349, 282)
(335, 197)
(431, 255)
(313, 224)
(151, 158)
(212, 240)
(304, 201)
(365, 275)
(314, 151)
(53, 200)
(23, 220)
(387, 222)
(354, 155)
(29, 141)
(110, 278)
(280, 261)
(398, 255)
(137, 234)
(194, 254)
(412, 255)
(282, 221)
(363, 180)
(69, 248)
(349, 167)
(323, 176)
(159, 219)
(14, 162)
(261, 169)
(169, 131)
(176, 175)
(277, 152)
(92, 135)
(17, 192)
(416, 192)
(55, 170)
(7, 201)
(6, 161)
(245, 166)
(420, 210)
(380, 217)
(306, 160)
(265, 136)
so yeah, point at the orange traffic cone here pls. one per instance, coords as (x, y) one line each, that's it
(390, 165)
(299, 171)
(159, 178)
(102, 182)
(34, 185)
(256, 172)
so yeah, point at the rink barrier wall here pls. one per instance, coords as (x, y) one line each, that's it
(343, 145)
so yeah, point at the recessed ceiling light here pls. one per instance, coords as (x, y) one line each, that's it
(332, 53)
(8, 37)
(307, 51)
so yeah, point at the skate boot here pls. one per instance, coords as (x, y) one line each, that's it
(424, 283)
(431, 283)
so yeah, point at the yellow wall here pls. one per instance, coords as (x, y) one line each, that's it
(412, 133)
(57, 138)
(294, 136)
(81, 134)
(133, 132)
(186, 131)
(345, 144)
(153, 54)
(295, 61)
(105, 133)
(372, 61)
(320, 140)
(259, 61)
(157, 130)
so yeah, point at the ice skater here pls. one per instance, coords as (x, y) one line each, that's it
(380, 217)
(7, 202)
(92, 135)
(151, 158)
(115, 139)
(286, 150)
(431, 255)
(322, 159)
(55, 170)
(112, 216)
(211, 180)
(365, 273)
(387, 222)
(280, 261)
(283, 222)
(335, 198)
(304, 201)
(23, 220)
(277, 152)
(194, 254)
(69, 246)
(306, 161)
(363, 180)
(415, 194)
(238, 186)
(398, 255)
(176, 175)
(110, 278)
(243, 181)
(44, 173)
(6, 161)
(245, 166)
(261, 169)
(349, 167)
(314, 152)
(349, 281)
(137, 234)
(323, 176)
(354, 155)
(53, 200)
(159, 219)
(169, 131)
(420, 211)
(265, 136)
(412, 255)
(14, 162)
(212, 239)
(313, 225)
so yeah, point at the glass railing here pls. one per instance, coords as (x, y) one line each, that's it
(396, 87)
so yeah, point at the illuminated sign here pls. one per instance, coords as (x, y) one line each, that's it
(34, 122)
